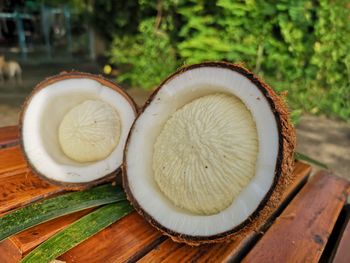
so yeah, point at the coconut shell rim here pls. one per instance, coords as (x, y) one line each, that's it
(56, 78)
(280, 112)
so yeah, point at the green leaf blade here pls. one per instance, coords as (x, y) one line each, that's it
(52, 208)
(303, 157)
(77, 232)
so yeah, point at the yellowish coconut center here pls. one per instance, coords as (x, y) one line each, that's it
(90, 131)
(206, 153)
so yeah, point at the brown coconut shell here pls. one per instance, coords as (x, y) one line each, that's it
(63, 76)
(283, 171)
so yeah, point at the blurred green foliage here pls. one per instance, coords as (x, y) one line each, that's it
(302, 46)
(149, 55)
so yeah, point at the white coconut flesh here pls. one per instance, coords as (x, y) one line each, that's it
(206, 153)
(202, 156)
(90, 131)
(74, 130)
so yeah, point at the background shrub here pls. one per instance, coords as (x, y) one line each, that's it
(302, 46)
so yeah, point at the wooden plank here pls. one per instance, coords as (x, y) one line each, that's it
(9, 252)
(22, 243)
(18, 185)
(129, 238)
(301, 232)
(20, 189)
(119, 242)
(29, 239)
(342, 254)
(170, 251)
(8, 136)
(11, 160)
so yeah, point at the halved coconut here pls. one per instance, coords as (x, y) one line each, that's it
(210, 155)
(74, 127)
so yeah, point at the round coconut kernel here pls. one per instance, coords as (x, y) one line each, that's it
(90, 131)
(210, 155)
(206, 153)
(73, 129)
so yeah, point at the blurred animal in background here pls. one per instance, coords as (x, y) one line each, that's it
(10, 70)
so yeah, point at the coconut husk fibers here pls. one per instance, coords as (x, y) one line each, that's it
(283, 170)
(42, 85)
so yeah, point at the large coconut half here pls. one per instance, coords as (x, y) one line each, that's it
(74, 127)
(210, 154)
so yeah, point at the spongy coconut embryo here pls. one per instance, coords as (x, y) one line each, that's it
(90, 131)
(206, 153)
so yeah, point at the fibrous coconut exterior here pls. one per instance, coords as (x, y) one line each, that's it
(283, 171)
(64, 76)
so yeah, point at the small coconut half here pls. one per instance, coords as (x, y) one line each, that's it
(74, 127)
(210, 154)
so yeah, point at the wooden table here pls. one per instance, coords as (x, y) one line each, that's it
(310, 225)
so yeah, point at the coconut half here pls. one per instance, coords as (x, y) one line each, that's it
(210, 154)
(74, 127)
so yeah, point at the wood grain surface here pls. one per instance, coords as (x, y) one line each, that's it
(298, 235)
(301, 232)
(18, 185)
(9, 252)
(342, 254)
(23, 188)
(128, 238)
(34, 236)
(22, 243)
(11, 161)
(8, 136)
(170, 251)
